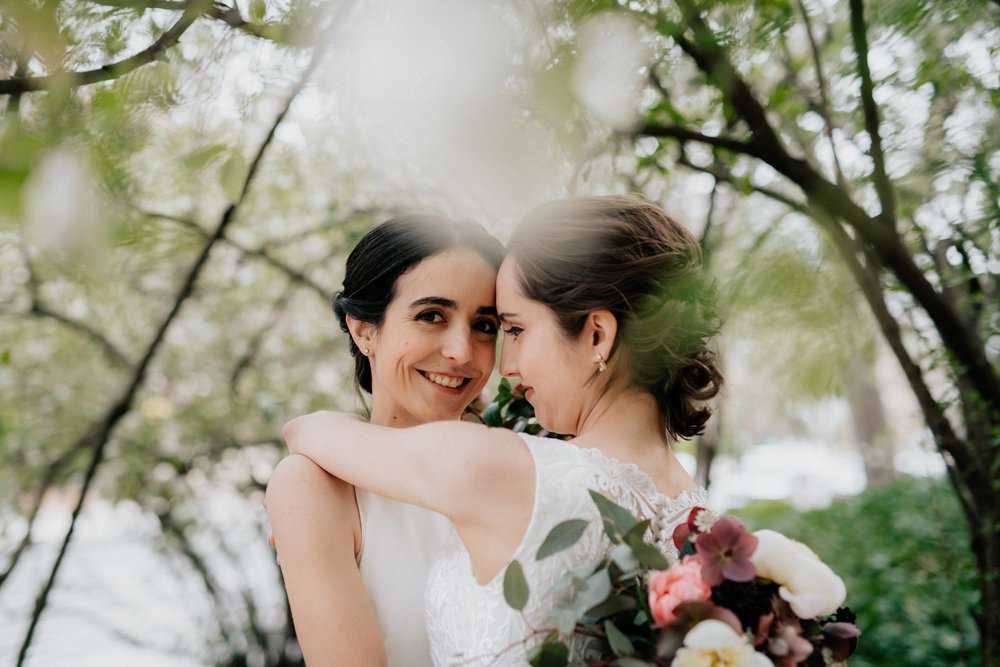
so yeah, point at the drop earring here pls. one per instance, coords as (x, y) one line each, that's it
(600, 361)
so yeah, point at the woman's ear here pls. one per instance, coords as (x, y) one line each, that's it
(600, 331)
(363, 334)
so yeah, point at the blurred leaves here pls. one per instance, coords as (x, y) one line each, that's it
(903, 552)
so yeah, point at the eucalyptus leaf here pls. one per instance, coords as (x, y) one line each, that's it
(549, 655)
(595, 591)
(491, 415)
(515, 586)
(624, 558)
(620, 644)
(648, 555)
(562, 536)
(613, 605)
(617, 520)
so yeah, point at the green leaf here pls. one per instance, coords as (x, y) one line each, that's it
(565, 620)
(562, 536)
(515, 586)
(624, 558)
(617, 520)
(549, 655)
(648, 555)
(595, 591)
(504, 392)
(631, 662)
(614, 605)
(200, 157)
(5, 357)
(519, 407)
(232, 175)
(257, 11)
(491, 415)
(620, 644)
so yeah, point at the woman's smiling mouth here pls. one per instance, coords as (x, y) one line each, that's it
(454, 382)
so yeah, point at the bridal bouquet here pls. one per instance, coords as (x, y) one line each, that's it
(732, 599)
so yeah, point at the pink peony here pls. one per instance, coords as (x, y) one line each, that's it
(681, 582)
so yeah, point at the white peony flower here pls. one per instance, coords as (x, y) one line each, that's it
(807, 583)
(714, 643)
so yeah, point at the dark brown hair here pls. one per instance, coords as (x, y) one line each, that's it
(387, 252)
(583, 254)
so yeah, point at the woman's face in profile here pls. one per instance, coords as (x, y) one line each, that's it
(554, 369)
(436, 347)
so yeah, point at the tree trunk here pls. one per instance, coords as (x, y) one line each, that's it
(870, 427)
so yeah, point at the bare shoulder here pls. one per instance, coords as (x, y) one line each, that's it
(297, 480)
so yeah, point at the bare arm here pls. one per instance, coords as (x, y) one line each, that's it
(443, 466)
(313, 518)
(482, 479)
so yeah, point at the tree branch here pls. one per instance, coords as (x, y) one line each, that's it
(113, 354)
(684, 134)
(294, 274)
(99, 434)
(153, 52)
(962, 341)
(824, 101)
(230, 15)
(882, 184)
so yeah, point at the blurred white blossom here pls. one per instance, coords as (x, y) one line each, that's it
(611, 69)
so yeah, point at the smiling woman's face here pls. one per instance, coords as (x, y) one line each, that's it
(436, 347)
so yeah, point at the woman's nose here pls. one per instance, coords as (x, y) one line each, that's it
(458, 345)
(508, 363)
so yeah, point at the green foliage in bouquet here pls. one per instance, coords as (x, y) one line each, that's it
(734, 598)
(903, 553)
(510, 409)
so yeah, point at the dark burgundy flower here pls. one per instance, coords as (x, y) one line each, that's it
(681, 534)
(841, 639)
(725, 552)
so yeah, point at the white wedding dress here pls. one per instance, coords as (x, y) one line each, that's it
(399, 542)
(471, 624)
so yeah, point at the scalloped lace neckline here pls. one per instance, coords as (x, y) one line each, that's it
(645, 485)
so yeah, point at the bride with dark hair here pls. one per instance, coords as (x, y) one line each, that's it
(607, 319)
(418, 303)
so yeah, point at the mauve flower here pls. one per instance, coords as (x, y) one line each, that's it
(681, 582)
(725, 552)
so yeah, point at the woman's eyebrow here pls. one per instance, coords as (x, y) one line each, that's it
(435, 301)
(487, 310)
(506, 316)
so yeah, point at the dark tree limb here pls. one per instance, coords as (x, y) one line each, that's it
(99, 434)
(684, 134)
(150, 54)
(859, 33)
(230, 15)
(964, 343)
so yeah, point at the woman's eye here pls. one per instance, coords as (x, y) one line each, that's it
(432, 316)
(487, 327)
(513, 332)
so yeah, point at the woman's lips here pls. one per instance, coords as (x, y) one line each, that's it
(450, 384)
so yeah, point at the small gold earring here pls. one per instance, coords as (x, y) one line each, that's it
(601, 365)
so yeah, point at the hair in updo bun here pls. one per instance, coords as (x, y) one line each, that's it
(583, 254)
(387, 252)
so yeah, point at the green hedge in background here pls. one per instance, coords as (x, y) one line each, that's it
(903, 551)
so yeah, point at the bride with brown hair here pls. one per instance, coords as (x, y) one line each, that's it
(607, 319)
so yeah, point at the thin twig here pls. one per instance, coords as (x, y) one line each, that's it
(98, 435)
(260, 253)
(882, 184)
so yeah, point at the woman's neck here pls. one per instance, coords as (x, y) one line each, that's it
(625, 424)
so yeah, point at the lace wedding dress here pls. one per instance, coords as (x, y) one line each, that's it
(471, 624)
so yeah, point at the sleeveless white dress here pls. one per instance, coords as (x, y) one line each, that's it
(471, 624)
(399, 542)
